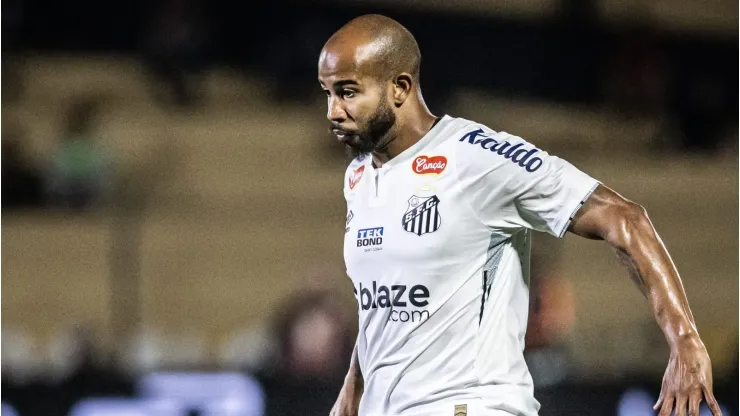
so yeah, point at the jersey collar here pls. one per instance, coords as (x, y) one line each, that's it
(438, 126)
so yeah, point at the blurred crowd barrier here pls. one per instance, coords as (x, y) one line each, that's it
(211, 220)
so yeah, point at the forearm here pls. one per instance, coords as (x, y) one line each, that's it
(650, 266)
(354, 378)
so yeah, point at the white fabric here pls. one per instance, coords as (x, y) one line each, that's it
(436, 238)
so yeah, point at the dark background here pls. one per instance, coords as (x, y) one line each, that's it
(572, 57)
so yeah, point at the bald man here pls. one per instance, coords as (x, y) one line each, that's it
(439, 216)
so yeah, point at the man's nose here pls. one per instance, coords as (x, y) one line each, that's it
(336, 113)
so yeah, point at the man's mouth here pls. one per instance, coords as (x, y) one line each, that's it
(343, 135)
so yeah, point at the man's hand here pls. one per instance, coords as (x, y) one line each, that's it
(687, 380)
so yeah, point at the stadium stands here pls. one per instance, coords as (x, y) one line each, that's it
(243, 183)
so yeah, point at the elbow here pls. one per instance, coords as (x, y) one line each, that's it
(630, 223)
(635, 213)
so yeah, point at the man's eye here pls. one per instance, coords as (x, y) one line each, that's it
(348, 93)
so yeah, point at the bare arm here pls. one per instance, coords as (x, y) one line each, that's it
(348, 402)
(626, 227)
(354, 375)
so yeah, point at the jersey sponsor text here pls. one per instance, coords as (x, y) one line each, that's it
(516, 153)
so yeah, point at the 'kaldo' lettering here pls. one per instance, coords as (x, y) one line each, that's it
(397, 297)
(521, 156)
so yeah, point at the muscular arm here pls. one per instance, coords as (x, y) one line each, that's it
(626, 227)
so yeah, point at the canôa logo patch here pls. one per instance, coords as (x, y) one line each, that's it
(423, 165)
(355, 176)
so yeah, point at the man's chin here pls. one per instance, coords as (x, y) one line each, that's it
(352, 152)
(355, 141)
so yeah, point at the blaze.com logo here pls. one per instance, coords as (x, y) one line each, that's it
(406, 304)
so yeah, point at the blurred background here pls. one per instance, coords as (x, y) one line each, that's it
(172, 206)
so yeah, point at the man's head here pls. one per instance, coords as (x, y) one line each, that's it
(369, 69)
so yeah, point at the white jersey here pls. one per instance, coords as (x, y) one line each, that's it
(437, 247)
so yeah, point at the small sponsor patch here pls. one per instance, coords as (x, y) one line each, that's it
(423, 165)
(461, 410)
(349, 218)
(350, 215)
(370, 238)
(355, 176)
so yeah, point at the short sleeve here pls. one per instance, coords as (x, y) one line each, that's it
(510, 184)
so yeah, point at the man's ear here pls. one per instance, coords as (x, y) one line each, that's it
(402, 88)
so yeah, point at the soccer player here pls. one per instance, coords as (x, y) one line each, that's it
(439, 216)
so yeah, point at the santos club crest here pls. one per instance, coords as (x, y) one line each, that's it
(422, 216)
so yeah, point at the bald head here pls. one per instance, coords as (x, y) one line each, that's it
(373, 45)
(369, 71)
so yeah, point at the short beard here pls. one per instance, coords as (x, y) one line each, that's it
(379, 131)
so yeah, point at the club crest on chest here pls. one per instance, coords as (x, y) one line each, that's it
(422, 215)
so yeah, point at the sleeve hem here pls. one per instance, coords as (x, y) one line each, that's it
(573, 210)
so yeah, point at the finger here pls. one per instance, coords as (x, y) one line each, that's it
(711, 401)
(694, 403)
(681, 402)
(667, 407)
(657, 404)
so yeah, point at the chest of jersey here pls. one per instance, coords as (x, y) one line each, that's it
(409, 219)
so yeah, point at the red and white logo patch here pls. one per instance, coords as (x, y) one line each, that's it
(355, 176)
(429, 164)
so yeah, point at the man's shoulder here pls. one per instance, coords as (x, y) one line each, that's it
(478, 146)
(454, 126)
(467, 131)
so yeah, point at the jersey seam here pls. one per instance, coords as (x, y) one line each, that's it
(489, 229)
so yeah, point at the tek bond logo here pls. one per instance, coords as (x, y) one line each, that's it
(370, 238)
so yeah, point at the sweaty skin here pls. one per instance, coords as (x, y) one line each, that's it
(625, 225)
(369, 70)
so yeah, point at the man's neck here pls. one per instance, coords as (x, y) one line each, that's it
(410, 132)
